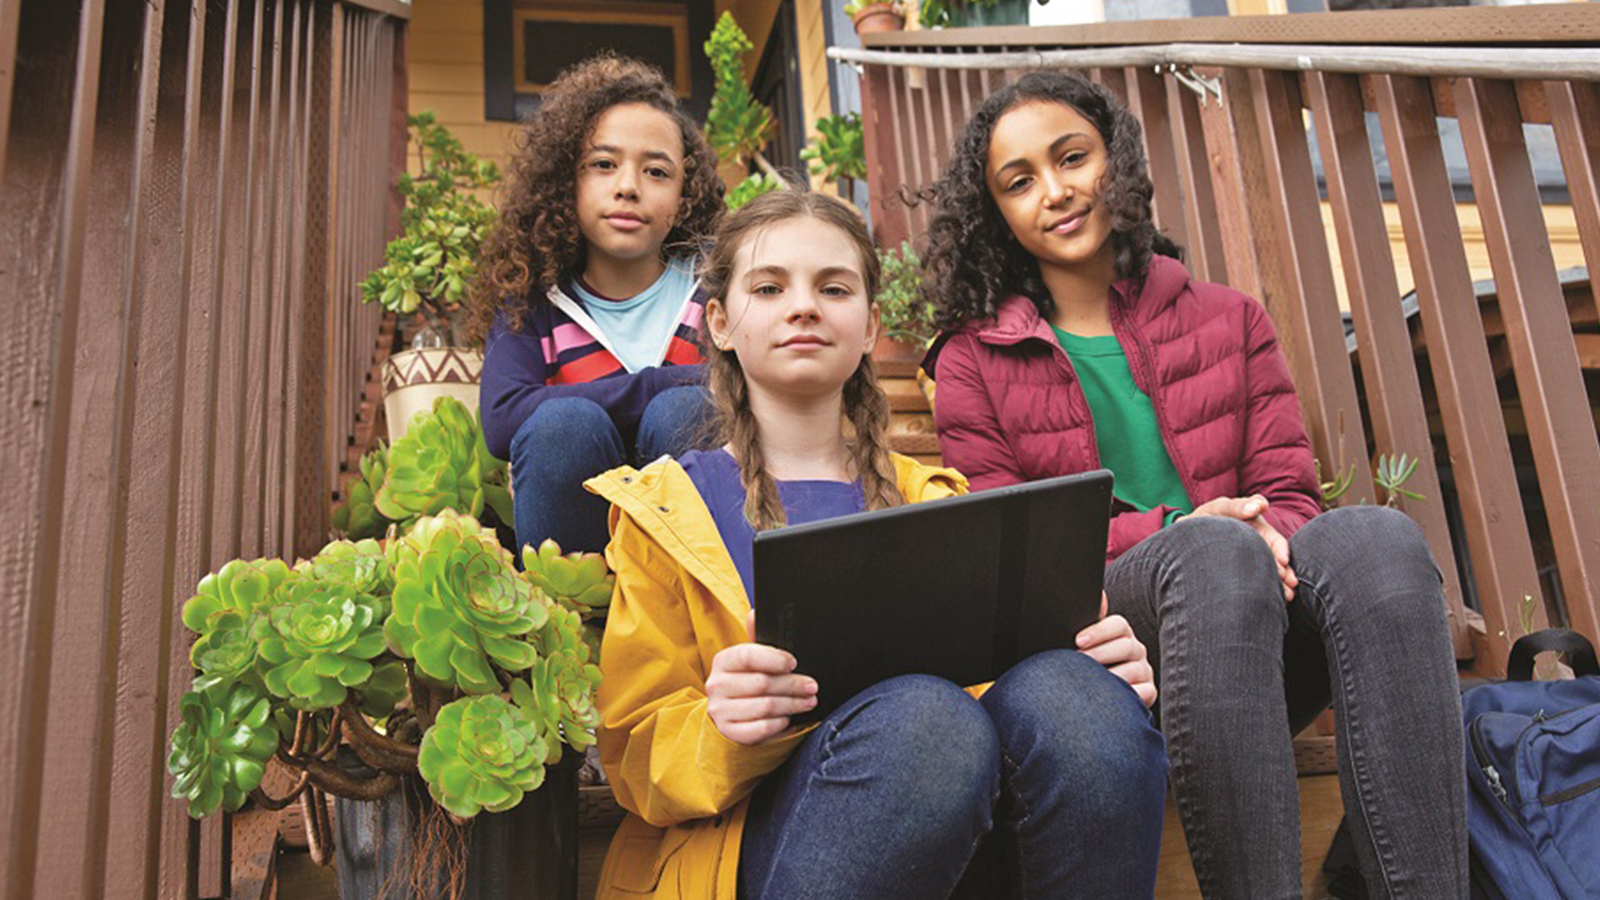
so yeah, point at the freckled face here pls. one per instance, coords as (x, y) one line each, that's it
(630, 181)
(797, 313)
(1045, 168)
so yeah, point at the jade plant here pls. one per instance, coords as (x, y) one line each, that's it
(429, 267)
(839, 150)
(428, 654)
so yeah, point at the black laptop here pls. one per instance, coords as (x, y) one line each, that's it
(962, 588)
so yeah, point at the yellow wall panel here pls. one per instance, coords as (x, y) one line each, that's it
(448, 16)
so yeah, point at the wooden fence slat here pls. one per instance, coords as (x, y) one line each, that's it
(251, 312)
(1147, 97)
(311, 328)
(1206, 257)
(270, 484)
(332, 427)
(1502, 555)
(40, 727)
(1388, 366)
(1539, 334)
(1303, 300)
(1233, 154)
(1575, 113)
(10, 12)
(906, 116)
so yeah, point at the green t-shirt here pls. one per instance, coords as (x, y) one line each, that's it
(1125, 429)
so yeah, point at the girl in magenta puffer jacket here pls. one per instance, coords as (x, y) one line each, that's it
(1074, 340)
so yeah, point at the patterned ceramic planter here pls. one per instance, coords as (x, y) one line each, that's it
(414, 378)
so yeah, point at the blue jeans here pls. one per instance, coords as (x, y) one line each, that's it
(569, 440)
(1241, 671)
(1057, 771)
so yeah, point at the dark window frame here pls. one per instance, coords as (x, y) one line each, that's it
(502, 102)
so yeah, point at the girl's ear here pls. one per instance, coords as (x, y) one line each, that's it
(717, 323)
(874, 327)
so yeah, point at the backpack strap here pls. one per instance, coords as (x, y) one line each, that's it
(1578, 650)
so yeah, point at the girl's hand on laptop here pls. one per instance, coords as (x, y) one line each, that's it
(1110, 642)
(1249, 510)
(752, 691)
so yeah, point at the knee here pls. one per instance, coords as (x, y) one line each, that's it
(563, 422)
(1063, 712)
(673, 419)
(1223, 570)
(943, 744)
(1363, 536)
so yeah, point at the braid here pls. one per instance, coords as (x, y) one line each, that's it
(737, 422)
(868, 410)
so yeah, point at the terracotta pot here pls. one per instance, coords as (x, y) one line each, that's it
(878, 17)
(414, 378)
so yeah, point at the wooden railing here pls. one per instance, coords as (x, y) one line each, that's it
(1225, 105)
(192, 189)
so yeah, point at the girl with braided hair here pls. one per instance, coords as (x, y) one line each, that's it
(891, 795)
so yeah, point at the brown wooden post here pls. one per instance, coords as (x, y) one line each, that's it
(1575, 113)
(1388, 366)
(1148, 99)
(882, 152)
(1502, 557)
(1302, 297)
(1549, 382)
(1206, 258)
(10, 11)
(1233, 150)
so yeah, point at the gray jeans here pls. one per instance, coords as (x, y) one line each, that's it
(1240, 672)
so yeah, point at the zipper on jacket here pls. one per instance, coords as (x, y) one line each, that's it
(1157, 401)
(1480, 753)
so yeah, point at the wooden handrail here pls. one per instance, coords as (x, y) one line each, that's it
(1570, 64)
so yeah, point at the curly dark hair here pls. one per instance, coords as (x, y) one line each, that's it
(973, 260)
(537, 241)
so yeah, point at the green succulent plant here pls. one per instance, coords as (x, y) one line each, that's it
(361, 566)
(429, 267)
(442, 463)
(244, 586)
(460, 604)
(560, 687)
(320, 643)
(482, 753)
(384, 690)
(905, 313)
(357, 517)
(578, 581)
(839, 150)
(751, 188)
(737, 125)
(221, 747)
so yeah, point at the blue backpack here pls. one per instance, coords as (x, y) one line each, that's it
(1533, 776)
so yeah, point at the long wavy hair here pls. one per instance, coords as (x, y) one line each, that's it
(537, 242)
(974, 262)
(866, 409)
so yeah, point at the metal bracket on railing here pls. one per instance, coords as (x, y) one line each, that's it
(1194, 81)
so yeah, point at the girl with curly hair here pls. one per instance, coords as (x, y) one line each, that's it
(891, 793)
(588, 299)
(1074, 339)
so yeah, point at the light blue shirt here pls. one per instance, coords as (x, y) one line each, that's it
(638, 328)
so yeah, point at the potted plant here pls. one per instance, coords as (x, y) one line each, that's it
(839, 151)
(973, 13)
(428, 269)
(737, 124)
(424, 674)
(871, 17)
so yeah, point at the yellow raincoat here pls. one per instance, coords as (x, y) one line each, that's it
(678, 602)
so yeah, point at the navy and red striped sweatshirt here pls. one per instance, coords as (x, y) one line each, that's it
(561, 352)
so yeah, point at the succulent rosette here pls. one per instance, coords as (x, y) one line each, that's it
(320, 643)
(559, 694)
(441, 463)
(358, 517)
(482, 753)
(360, 565)
(221, 747)
(460, 604)
(245, 586)
(384, 690)
(579, 581)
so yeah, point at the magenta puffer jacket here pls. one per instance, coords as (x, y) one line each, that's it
(1009, 408)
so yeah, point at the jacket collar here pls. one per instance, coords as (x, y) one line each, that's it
(663, 501)
(1018, 318)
